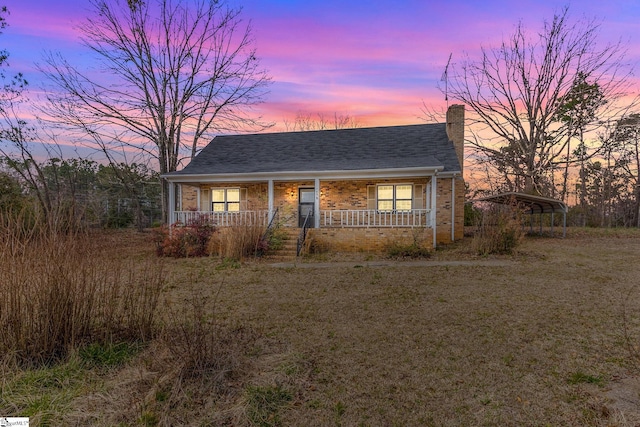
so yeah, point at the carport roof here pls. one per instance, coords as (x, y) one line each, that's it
(536, 204)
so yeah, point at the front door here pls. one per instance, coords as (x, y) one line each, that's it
(306, 206)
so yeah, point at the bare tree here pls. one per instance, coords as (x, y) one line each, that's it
(170, 74)
(305, 121)
(626, 140)
(515, 93)
(16, 136)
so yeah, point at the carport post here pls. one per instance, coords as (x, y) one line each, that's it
(531, 222)
(551, 224)
(541, 223)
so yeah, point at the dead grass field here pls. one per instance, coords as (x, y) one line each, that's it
(547, 336)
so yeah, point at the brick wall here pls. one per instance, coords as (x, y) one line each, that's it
(368, 239)
(189, 197)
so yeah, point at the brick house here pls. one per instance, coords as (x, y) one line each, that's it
(355, 189)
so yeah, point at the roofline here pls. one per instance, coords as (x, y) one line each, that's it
(308, 175)
(225, 135)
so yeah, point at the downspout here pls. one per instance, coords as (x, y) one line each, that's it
(270, 200)
(453, 208)
(316, 205)
(172, 203)
(433, 207)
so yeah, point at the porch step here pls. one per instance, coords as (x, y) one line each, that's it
(288, 247)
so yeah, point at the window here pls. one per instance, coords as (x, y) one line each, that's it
(225, 199)
(394, 197)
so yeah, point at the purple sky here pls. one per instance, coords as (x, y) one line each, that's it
(375, 60)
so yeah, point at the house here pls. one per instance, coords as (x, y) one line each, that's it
(356, 189)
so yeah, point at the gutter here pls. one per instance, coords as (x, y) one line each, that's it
(303, 175)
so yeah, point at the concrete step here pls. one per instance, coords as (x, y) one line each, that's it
(289, 246)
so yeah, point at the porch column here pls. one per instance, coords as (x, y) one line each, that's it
(434, 199)
(270, 200)
(316, 205)
(172, 202)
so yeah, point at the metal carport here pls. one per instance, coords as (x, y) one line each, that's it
(535, 205)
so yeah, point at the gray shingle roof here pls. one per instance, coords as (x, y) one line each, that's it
(391, 147)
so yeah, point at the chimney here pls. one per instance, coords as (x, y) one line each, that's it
(455, 130)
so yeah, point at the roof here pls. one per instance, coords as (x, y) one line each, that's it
(359, 149)
(536, 204)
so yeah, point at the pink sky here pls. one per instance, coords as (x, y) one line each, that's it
(376, 61)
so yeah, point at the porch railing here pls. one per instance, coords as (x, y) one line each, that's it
(376, 218)
(328, 218)
(303, 234)
(225, 219)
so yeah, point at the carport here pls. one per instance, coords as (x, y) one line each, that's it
(534, 205)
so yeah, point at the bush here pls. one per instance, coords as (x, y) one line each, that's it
(408, 251)
(418, 248)
(500, 230)
(180, 241)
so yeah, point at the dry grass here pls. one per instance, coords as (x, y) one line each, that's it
(60, 291)
(541, 337)
(236, 242)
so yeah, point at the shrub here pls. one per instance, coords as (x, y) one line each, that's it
(418, 248)
(314, 246)
(413, 250)
(180, 241)
(500, 230)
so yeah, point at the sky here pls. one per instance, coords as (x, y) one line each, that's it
(377, 61)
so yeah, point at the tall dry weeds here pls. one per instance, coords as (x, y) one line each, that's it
(59, 291)
(237, 242)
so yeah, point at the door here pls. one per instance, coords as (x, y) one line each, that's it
(306, 206)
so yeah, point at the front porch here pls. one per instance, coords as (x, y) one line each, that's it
(367, 211)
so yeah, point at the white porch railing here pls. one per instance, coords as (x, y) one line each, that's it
(375, 218)
(225, 219)
(328, 219)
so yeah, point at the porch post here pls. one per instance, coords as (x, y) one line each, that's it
(316, 205)
(172, 203)
(433, 208)
(270, 200)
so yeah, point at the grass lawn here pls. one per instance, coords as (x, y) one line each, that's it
(547, 336)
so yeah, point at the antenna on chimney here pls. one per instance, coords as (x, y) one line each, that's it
(445, 79)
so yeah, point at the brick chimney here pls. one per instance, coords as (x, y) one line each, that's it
(455, 130)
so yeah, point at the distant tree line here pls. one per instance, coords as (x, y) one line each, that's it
(82, 192)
